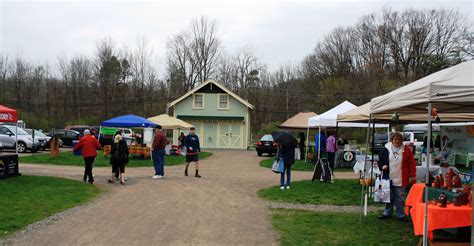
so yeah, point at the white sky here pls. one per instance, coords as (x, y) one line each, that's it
(279, 32)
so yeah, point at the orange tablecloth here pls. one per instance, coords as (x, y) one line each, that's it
(134, 150)
(439, 218)
(414, 196)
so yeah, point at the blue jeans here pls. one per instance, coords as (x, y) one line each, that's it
(288, 177)
(397, 198)
(158, 156)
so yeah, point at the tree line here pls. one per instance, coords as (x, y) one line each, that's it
(379, 53)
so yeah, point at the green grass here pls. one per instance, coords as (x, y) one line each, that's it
(300, 165)
(68, 159)
(27, 199)
(342, 192)
(297, 227)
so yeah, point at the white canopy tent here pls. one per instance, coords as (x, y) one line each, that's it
(329, 119)
(450, 91)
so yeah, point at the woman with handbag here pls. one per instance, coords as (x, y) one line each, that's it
(397, 164)
(118, 158)
(287, 154)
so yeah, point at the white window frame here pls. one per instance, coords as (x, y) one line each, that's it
(219, 101)
(194, 100)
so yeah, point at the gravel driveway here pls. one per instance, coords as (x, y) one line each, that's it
(221, 208)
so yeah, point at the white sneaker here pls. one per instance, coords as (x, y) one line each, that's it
(288, 187)
(156, 177)
(282, 187)
(160, 177)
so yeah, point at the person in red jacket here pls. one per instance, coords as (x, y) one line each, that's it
(89, 146)
(397, 163)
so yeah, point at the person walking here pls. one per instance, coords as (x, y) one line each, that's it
(398, 164)
(302, 145)
(158, 153)
(118, 158)
(331, 149)
(89, 146)
(191, 143)
(287, 153)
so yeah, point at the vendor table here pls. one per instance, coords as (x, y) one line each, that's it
(8, 165)
(438, 218)
(133, 150)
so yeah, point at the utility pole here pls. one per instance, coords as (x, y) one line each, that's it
(287, 103)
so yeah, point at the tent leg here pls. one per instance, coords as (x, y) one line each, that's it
(307, 145)
(16, 138)
(100, 130)
(363, 203)
(427, 179)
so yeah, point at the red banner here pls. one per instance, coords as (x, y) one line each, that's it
(8, 114)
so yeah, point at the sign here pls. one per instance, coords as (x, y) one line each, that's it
(7, 117)
(108, 130)
(8, 166)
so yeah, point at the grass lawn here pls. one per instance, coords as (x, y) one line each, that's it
(300, 165)
(342, 192)
(27, 199)
(297, 227)
(68, 159)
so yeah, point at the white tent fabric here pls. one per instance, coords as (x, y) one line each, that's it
(329, 118)
(450, 90)
(362, 113)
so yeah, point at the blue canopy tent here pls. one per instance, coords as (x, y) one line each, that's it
(129, 120)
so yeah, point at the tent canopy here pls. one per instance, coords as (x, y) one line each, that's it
(169, 122)
(329, 118)
(362, 113)
(129, 120)
(298, 121)
(450, 90)
(7, 114)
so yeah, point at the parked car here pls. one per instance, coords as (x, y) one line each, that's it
(266, 145)
(78, 128)
(380, 139)
(66, 136)
(40, 138)
(8, 139)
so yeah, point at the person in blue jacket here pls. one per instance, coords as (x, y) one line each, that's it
(321, 142)
(191, 143)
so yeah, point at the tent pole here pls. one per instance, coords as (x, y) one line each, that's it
(16, 137)
(363, 174)
(373, 147)
(427, 178)
(307, 143)
(100, 128)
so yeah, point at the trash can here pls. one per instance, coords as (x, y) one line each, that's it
(76, 152)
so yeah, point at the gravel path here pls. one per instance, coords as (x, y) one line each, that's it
(320, 208)
(222, 208)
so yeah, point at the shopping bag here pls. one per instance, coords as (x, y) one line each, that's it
(382, 190)
(278, 165)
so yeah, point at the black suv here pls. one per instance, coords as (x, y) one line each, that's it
(266, 145)
(380, 139)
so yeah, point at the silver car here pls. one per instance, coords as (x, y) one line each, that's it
(7, 139)
(40, 138)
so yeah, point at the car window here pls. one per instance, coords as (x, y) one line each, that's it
(39, 134)
(419, 136)
(381, 136)
(406, 136)
(20, 131)
(267, 138)
(5, 131)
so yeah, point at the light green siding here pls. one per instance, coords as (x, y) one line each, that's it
(213, 127)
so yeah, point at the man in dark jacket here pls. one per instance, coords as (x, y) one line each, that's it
(89, 146)
(191, 142)
(158, 153)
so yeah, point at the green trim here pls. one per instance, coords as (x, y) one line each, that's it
(202, 117)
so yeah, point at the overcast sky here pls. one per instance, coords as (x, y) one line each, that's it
(279, 32)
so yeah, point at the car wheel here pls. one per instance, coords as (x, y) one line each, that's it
(259, 153)
(21, 147)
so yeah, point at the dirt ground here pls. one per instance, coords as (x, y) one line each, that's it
(221, 208)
